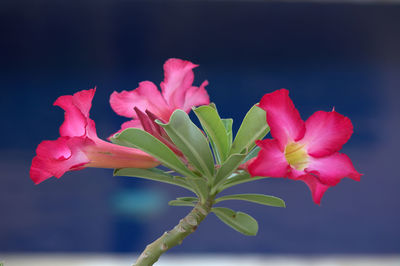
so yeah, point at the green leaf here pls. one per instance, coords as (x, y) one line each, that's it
(184, 201)
(254, 152)
(226, 169)
(215, 149)
(239, 221)
(153, 174)
(191, 141)
(213, 106)
(201, 187)
(181, 203)
(189, 199)
(136, 138)
(228, 122)
(237, 179)
(255, 198)
(253, 127)
(215, 129)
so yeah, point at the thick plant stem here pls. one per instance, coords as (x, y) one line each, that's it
(170, 239)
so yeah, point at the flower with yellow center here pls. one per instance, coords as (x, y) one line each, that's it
(303, 150)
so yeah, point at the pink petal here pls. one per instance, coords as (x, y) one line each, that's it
(91, 130)
(317, 188)
(178, 78)
(54, 149)
(145, 97)
(76, 109)
(331, 169)
(83, 100)
(326, 132)
(74, 121)
(196, 96)
(54, 158)
(296, 174)
(38, 171)
(131, 123)
(282, 117)
(270, 161)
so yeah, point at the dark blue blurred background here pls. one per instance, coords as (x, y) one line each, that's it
(342, 55)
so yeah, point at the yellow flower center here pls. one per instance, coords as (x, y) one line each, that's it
(296, 155)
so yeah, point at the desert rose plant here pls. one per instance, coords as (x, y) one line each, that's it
(204, 161)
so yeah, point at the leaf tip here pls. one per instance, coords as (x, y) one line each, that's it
(114, 137)
(159, 122)
(115, 172)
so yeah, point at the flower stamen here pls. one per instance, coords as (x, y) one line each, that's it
(296, 155)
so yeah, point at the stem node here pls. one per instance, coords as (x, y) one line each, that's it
(164, 247)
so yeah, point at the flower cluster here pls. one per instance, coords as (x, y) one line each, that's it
(306, 151)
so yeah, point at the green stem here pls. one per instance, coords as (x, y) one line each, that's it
(172, 238)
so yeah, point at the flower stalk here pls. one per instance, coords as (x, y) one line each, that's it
(174, 237)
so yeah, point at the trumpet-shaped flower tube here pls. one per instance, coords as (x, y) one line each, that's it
(79, 146)
(307, 151)
(177, 92)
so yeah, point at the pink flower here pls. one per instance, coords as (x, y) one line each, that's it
(306, 151)
(78, 145)
(177, 92)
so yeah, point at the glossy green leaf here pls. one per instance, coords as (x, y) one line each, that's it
(215, 149)
(255, 198)
(239, 221)
(228, 122)
(136, 138)
(253, 127)
(181, 203)
(190, 141)
(254, 152)
(189, 199)
(237, 179)
(184, 201)
(153, 174)
(227, 168)
(213, 125)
